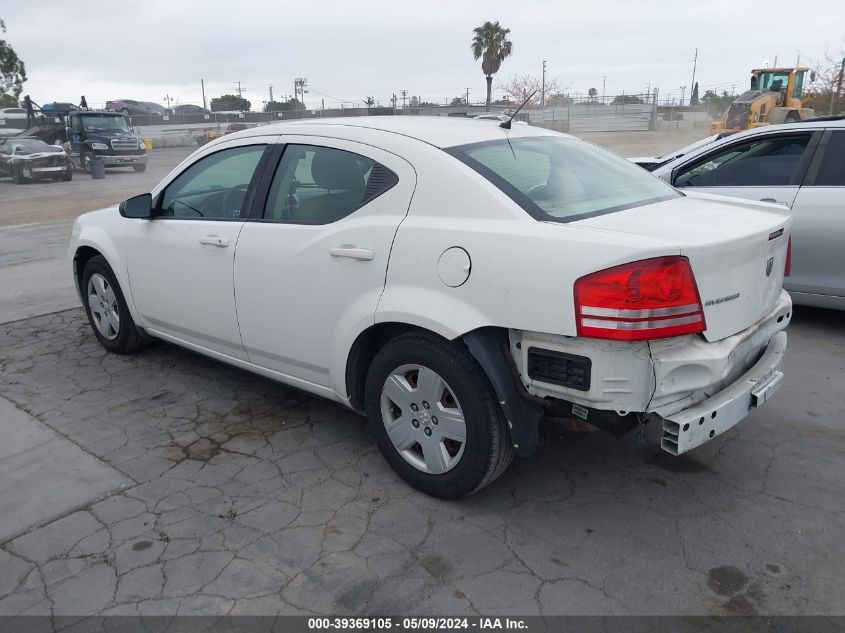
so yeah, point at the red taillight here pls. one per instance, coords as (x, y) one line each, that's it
(648, 299)
(787, 267)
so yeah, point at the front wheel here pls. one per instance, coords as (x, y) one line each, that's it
(18, 176)
(435, 416)
(106, 309)
(140, 167)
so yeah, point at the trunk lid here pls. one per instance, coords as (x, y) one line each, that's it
(737, 250)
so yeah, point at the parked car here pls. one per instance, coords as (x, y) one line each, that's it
(189, 108)
(12, 113)
(24, 159)
(235, 127)
(650, 163)
(154, 108)
(132, 107)
(58, 108)
(798, 165)
(454, 282)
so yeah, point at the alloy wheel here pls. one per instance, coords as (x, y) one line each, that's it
(423, 419)
(102, 303)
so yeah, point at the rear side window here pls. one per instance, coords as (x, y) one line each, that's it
(321, 185)
(562, 179)
(832, 170)
(761, 163)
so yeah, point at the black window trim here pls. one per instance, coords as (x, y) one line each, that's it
(797, 177)
(816, 164)
(262, 193)
(250, 190)
(459, 152)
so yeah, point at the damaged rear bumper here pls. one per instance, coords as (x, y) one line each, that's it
(694, 426)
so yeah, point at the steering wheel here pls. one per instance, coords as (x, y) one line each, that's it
(233, 200)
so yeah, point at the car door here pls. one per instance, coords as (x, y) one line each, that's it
(818, 235)
(767, 167)
(5, 158)
(309, 272)
(180, 262)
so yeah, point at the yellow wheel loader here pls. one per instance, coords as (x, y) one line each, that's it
(774, 97)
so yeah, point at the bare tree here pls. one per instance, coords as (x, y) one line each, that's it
(520, 87)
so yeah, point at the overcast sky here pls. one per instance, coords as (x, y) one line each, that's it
(350, 49)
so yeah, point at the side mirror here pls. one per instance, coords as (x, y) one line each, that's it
(137, 207)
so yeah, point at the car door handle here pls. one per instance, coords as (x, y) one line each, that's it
(214, 240)
(773, 201)
(361, 254)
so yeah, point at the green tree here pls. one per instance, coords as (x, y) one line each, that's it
(693, 100)
(12, 71)
(280, 106)
(491, 44)
(230, 102)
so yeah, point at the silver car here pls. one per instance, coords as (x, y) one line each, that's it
(800, 165)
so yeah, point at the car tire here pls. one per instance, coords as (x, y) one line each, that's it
(103, 299)
(140, 168)
(416, 445)
(124, 110)
(18, 176)
(68, 175)
(792, 117)
(85, 159)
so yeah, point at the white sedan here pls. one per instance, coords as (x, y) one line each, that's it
(452, 281)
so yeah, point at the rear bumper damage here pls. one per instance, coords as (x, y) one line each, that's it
(694, 426)
(690, 389)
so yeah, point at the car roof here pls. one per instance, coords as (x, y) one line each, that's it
(435, 130)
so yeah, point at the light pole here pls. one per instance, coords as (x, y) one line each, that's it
(603, 87)
(543, 88)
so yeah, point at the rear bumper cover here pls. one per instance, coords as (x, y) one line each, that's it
(695, 425)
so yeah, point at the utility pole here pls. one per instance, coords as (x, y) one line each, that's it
(299, 90)
(543, 88)
(404, 94)
(393, 100)
(270, 103)
(241, 89)
(202, 85)
(694, 64)
(835, 94)
(167, 98)
(467, 97)
(603, 87)
(683, 90)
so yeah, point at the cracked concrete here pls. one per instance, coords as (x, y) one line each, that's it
(246, 497)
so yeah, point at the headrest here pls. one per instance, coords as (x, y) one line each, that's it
(334, 169)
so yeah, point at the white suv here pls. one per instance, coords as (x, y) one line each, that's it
(453, 281)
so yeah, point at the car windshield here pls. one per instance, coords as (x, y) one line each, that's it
(563, 179)
(114, 123)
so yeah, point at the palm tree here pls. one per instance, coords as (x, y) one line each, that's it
(490, 43)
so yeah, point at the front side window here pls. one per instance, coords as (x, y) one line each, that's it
(832, 170)
(761, 163)
(562, 179)
(214, 187)
(321, 185)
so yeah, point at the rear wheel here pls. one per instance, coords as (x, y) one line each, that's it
(106, 309)
(792, 117)
(435, 416)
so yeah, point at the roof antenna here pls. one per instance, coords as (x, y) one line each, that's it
(507, 124)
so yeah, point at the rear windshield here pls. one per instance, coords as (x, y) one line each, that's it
(563, 179)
